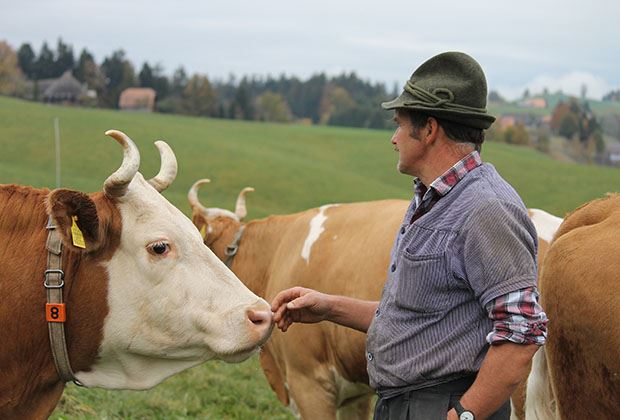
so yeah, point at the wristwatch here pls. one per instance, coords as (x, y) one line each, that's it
(462, 412)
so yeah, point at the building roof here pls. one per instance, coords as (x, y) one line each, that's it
(66, 87)
(137, 98)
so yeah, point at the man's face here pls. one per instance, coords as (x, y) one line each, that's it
(407, 143)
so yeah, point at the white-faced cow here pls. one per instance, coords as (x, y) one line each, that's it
(577, 374)
(319, 370)
(143, 297)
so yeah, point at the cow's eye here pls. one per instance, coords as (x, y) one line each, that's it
(159, 248)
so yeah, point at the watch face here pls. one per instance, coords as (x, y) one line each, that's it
(466, 415)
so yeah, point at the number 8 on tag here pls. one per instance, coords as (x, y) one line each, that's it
(55, 312)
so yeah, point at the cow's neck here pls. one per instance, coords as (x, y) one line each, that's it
(28, 372)
(259, 243)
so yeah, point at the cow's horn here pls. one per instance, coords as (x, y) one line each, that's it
(192, 196)
(116, 184)
(168, 169)
(240, 209)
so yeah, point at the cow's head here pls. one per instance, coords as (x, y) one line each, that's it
(171, 302)
(218, 227)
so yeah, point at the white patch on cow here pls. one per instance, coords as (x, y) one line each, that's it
(335, 237)
(513, 414)
(540, 403)
(348, 391)
(546, 224)
(316, 228)
(168, 313)
(292, 405)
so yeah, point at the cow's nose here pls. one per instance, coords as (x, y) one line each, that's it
(260, 317)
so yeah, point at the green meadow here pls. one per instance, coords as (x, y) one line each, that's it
(292, 168)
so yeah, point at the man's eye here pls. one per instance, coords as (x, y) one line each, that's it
(159, 248)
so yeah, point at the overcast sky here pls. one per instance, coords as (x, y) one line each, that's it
(534, 44)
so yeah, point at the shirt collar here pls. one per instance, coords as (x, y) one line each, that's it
(446, 181)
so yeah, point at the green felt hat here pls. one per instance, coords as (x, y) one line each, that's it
(450, 86)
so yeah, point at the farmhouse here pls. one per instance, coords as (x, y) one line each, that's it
(137, 99)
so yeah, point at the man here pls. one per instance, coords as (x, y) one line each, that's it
(459, 318)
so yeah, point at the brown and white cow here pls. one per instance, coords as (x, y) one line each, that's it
(145, 298)
(577, 375)
(319, 369)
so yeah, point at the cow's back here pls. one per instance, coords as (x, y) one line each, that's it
(580, 291)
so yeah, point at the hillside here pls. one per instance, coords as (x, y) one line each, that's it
(292, 167)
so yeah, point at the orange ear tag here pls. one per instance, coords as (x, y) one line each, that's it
(76, 234)
(55, 312)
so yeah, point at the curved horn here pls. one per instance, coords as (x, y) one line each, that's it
(116, 184)
(168, 169)
(240, 209)
(192, 196)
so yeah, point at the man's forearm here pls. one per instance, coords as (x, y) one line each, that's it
(504, 366)
(352, 313)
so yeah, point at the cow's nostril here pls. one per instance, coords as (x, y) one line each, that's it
(259, 317)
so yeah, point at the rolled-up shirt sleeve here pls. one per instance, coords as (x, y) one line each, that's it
(518, 318)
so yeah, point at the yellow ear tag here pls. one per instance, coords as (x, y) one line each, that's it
(76, 234)
(203, 231)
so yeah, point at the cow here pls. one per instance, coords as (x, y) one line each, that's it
(546, 225)
(577, 374)
(318, 370)
(143, 297)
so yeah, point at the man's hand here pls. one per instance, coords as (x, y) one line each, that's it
(299, 304)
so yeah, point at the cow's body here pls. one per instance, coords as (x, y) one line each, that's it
(318, 369)
(134, 315)
(577, 376)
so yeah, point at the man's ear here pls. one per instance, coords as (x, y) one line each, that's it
(67, 207)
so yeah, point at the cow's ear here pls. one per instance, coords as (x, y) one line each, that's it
(76, 219)
(202, 225)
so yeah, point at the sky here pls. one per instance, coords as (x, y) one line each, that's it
(521, 45)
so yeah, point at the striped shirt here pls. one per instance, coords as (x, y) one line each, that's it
(454, 256)
(517, 316)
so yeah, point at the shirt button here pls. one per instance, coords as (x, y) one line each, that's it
(370, 356)
(377, 312)
(393, 267)
(402, 230)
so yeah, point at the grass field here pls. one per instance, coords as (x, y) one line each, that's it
(291, 167)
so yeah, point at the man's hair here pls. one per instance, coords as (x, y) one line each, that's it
(458, 133)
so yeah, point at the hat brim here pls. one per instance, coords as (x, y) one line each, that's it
(468, 118)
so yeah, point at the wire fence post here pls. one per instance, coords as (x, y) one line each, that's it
(57, 134)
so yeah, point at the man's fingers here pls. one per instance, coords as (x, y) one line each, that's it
(285, 296)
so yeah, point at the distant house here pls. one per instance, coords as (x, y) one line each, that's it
(506, 121)
(137, 99)
(65, 89)
(533, 103)
(613, 154)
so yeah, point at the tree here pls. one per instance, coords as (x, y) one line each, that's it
(44, 65)
(517, 134)
(87, 71)
(64, 59)
(26, 59)
(146, 76)
(119, 75)
(11, 78)
(242, 104)
(179, 82)
(198, 97)
(494, 96)
(569, 126)
(271, 106)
